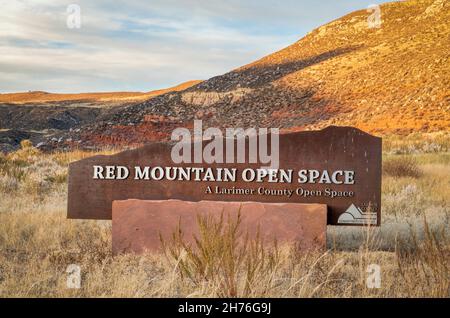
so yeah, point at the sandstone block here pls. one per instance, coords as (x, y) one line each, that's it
(138, 224)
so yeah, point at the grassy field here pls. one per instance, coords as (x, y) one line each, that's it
(411, 248)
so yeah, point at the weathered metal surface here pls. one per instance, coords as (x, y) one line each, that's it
(331, 149)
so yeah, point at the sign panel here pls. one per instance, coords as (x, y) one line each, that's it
(336, 166)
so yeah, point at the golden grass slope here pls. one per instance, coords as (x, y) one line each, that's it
(392, 79)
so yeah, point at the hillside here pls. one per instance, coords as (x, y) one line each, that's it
(40, 115)
(388, 80)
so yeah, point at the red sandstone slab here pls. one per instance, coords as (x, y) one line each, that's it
(138, 224)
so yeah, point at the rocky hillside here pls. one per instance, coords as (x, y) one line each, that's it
(41, 116)
(388, 80)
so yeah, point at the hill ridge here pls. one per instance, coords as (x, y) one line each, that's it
(388, 80)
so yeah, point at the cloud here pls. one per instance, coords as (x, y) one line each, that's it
(144, 45)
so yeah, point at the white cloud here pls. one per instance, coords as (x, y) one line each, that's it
(143, 45)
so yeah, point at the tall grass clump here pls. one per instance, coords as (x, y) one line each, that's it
(402, 167)
(424, 266)
(222, 256)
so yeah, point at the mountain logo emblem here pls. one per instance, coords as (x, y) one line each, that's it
(354, 215)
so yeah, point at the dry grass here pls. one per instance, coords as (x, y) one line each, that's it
(222, 257)
(402, 167)
(417, 143)
(37, 243)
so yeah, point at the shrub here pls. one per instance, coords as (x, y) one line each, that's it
(222, 256)
(24, 144)
(26, 154)
(402, 167)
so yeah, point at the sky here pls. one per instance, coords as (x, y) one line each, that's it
(137, 45)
